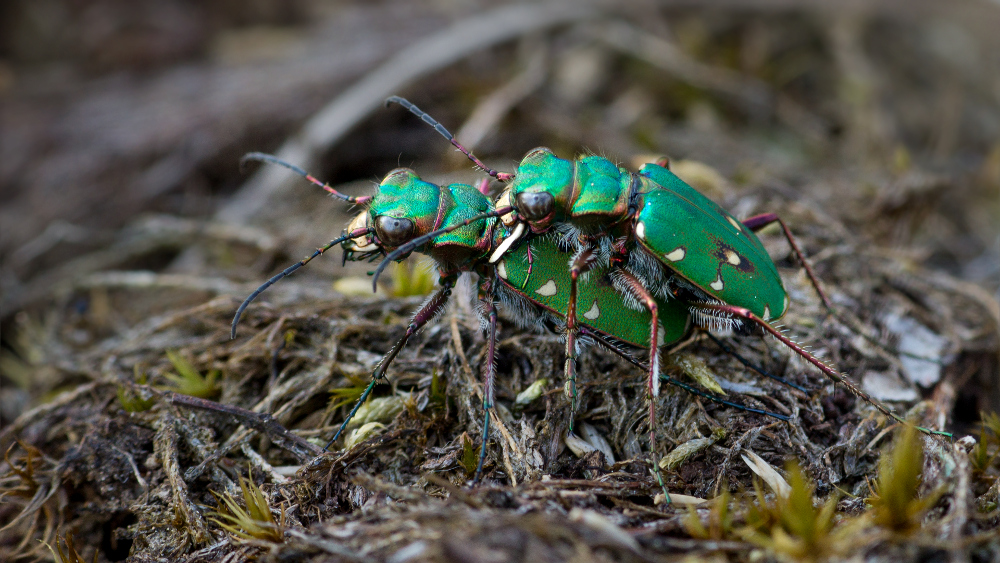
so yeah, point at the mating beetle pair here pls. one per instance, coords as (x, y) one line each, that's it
(649, 254)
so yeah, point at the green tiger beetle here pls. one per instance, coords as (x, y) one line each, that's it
(663, 240)
(458, 226)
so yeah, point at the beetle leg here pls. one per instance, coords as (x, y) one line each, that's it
(489, 369)
(531, 262)
(758, 222)
(646, 298)
(580, 264)
(653, 385)
(427, 311)
(833, 374)
(484, 186)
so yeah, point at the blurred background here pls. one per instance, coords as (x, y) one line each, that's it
(128, 229)
(122, 123)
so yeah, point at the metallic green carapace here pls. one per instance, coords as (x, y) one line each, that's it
(704, 244)
(601, 306)
(403, 195)
(584, 192)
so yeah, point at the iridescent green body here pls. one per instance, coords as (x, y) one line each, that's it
(587, 191)
(459, 227)
(693, 237)
(404, 195)
(545, 281)
(703, 243)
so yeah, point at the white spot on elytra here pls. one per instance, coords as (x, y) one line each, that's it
(785, 306)
(677, 254)
(733, 258)
(717, 285)
(548, 290)
(767, 313)
(502, 269)
(594, 312)
(734, 223)
(640, 230)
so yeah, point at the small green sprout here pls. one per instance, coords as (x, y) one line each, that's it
(720, 519)
(681, 453)
(698, 370)
(255, 522)
(470, 456)
(895, 504)
(991, 422)
(362, 433)
(790, 526)
(187, 380)
(438, 397)
(131, 400)
(71, 555)
(413, 277)
(981, 456)
(349, 395)
(532, 392)
(987, 448)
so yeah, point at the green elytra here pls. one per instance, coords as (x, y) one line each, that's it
(546, 282)
(457, 226)
(714, 251)
(707, 258)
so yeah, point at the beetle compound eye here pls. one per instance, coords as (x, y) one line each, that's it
(534, 206)
(392, 230)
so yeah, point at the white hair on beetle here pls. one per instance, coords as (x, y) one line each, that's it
(524, 313)
(625, 291)
(654, 274)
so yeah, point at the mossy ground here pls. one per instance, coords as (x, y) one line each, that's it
(891, 191)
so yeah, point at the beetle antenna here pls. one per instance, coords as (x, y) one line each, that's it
(426, 118)
(291, 269)
(413, 244)
(263, 157)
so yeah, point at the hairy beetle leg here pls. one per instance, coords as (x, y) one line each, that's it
(489, 371)
(427, 311)
(653, 385)
(827, 370)
(581, 263)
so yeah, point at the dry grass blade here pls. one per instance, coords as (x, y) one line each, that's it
(768, 473)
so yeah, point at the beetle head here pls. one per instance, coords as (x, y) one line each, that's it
(541, 189)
